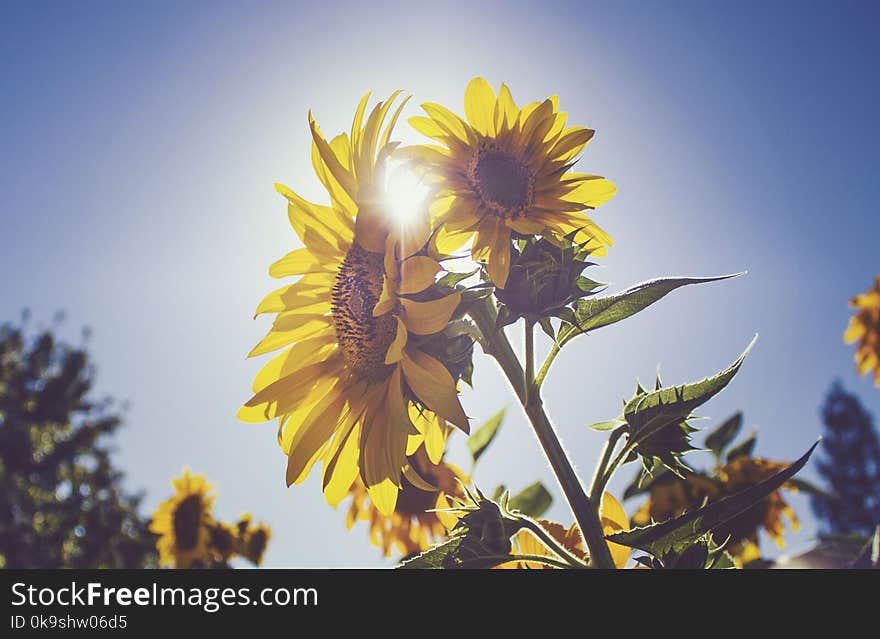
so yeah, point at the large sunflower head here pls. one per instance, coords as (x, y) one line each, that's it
(505, 170)
(183, 522)
(415, 523)
(864, 328)
(352, 369)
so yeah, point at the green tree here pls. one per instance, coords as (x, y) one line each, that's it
(63, 504)
(851, 467)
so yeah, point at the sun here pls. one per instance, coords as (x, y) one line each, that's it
(405, 194)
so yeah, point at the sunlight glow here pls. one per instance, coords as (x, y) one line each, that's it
(406, 194)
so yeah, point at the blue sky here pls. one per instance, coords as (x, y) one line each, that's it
(139, 144)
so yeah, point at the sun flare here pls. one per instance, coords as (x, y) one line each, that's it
(406, 194)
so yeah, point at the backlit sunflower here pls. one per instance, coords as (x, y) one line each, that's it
(864, 327)
(507, 170)
(352, 367)
(183, 522)
(613, 518)
(410, 528)
(671, 497)
(254, 541)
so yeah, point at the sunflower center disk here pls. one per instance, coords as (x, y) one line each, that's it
(363, 339)
(187, 517)
(504, 183)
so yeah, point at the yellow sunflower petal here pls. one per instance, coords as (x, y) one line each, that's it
(395, 351)
(614, 519)
(417, 274)
(434, 386)
(426, 318)
(479, 104)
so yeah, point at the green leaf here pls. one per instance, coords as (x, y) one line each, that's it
(597, 312)
(611, 424)
(480, 440)
(461, 551)
(675, 535)
(744, 448)
(721, 437)
(533, 500)
(451, 278)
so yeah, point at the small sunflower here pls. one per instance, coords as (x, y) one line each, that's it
(222, 542)
(352, 368)
(183, 522)
(507, 170)
(671, 497)
(864, 327)
(613, 518)
(252, 541)
(411, 527)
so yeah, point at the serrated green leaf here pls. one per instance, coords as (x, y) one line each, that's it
(598, 312)
(499, 491)
(533, 500)
(480, 440)
(675, 535)
(720, 438)
(745, 448)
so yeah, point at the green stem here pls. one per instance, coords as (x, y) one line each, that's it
(496, 344)
(600, 478)
(609, 471)
(551, 543)
(545, 367)
(529, 378)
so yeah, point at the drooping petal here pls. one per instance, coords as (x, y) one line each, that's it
(433, 385)
(426, 318)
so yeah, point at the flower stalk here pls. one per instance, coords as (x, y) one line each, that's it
(585, 511)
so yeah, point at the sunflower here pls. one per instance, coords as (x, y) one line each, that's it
(253, 541)
(506, 170)
(671, 497)
(411, 528)
(351, 325)
(864, 326)
(613, 518)
(183, 522)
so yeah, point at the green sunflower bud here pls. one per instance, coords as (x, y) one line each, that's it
(545, 277)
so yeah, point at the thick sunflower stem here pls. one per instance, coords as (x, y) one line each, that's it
(529, 377)
(585, 512)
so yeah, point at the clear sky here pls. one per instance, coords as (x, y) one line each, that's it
(139, 143)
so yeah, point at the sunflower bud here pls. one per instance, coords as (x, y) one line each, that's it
(545, 277)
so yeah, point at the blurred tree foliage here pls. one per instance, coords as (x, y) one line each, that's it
(851, 467)
(63, 505)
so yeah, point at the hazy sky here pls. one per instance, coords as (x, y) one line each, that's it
(139, 143)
